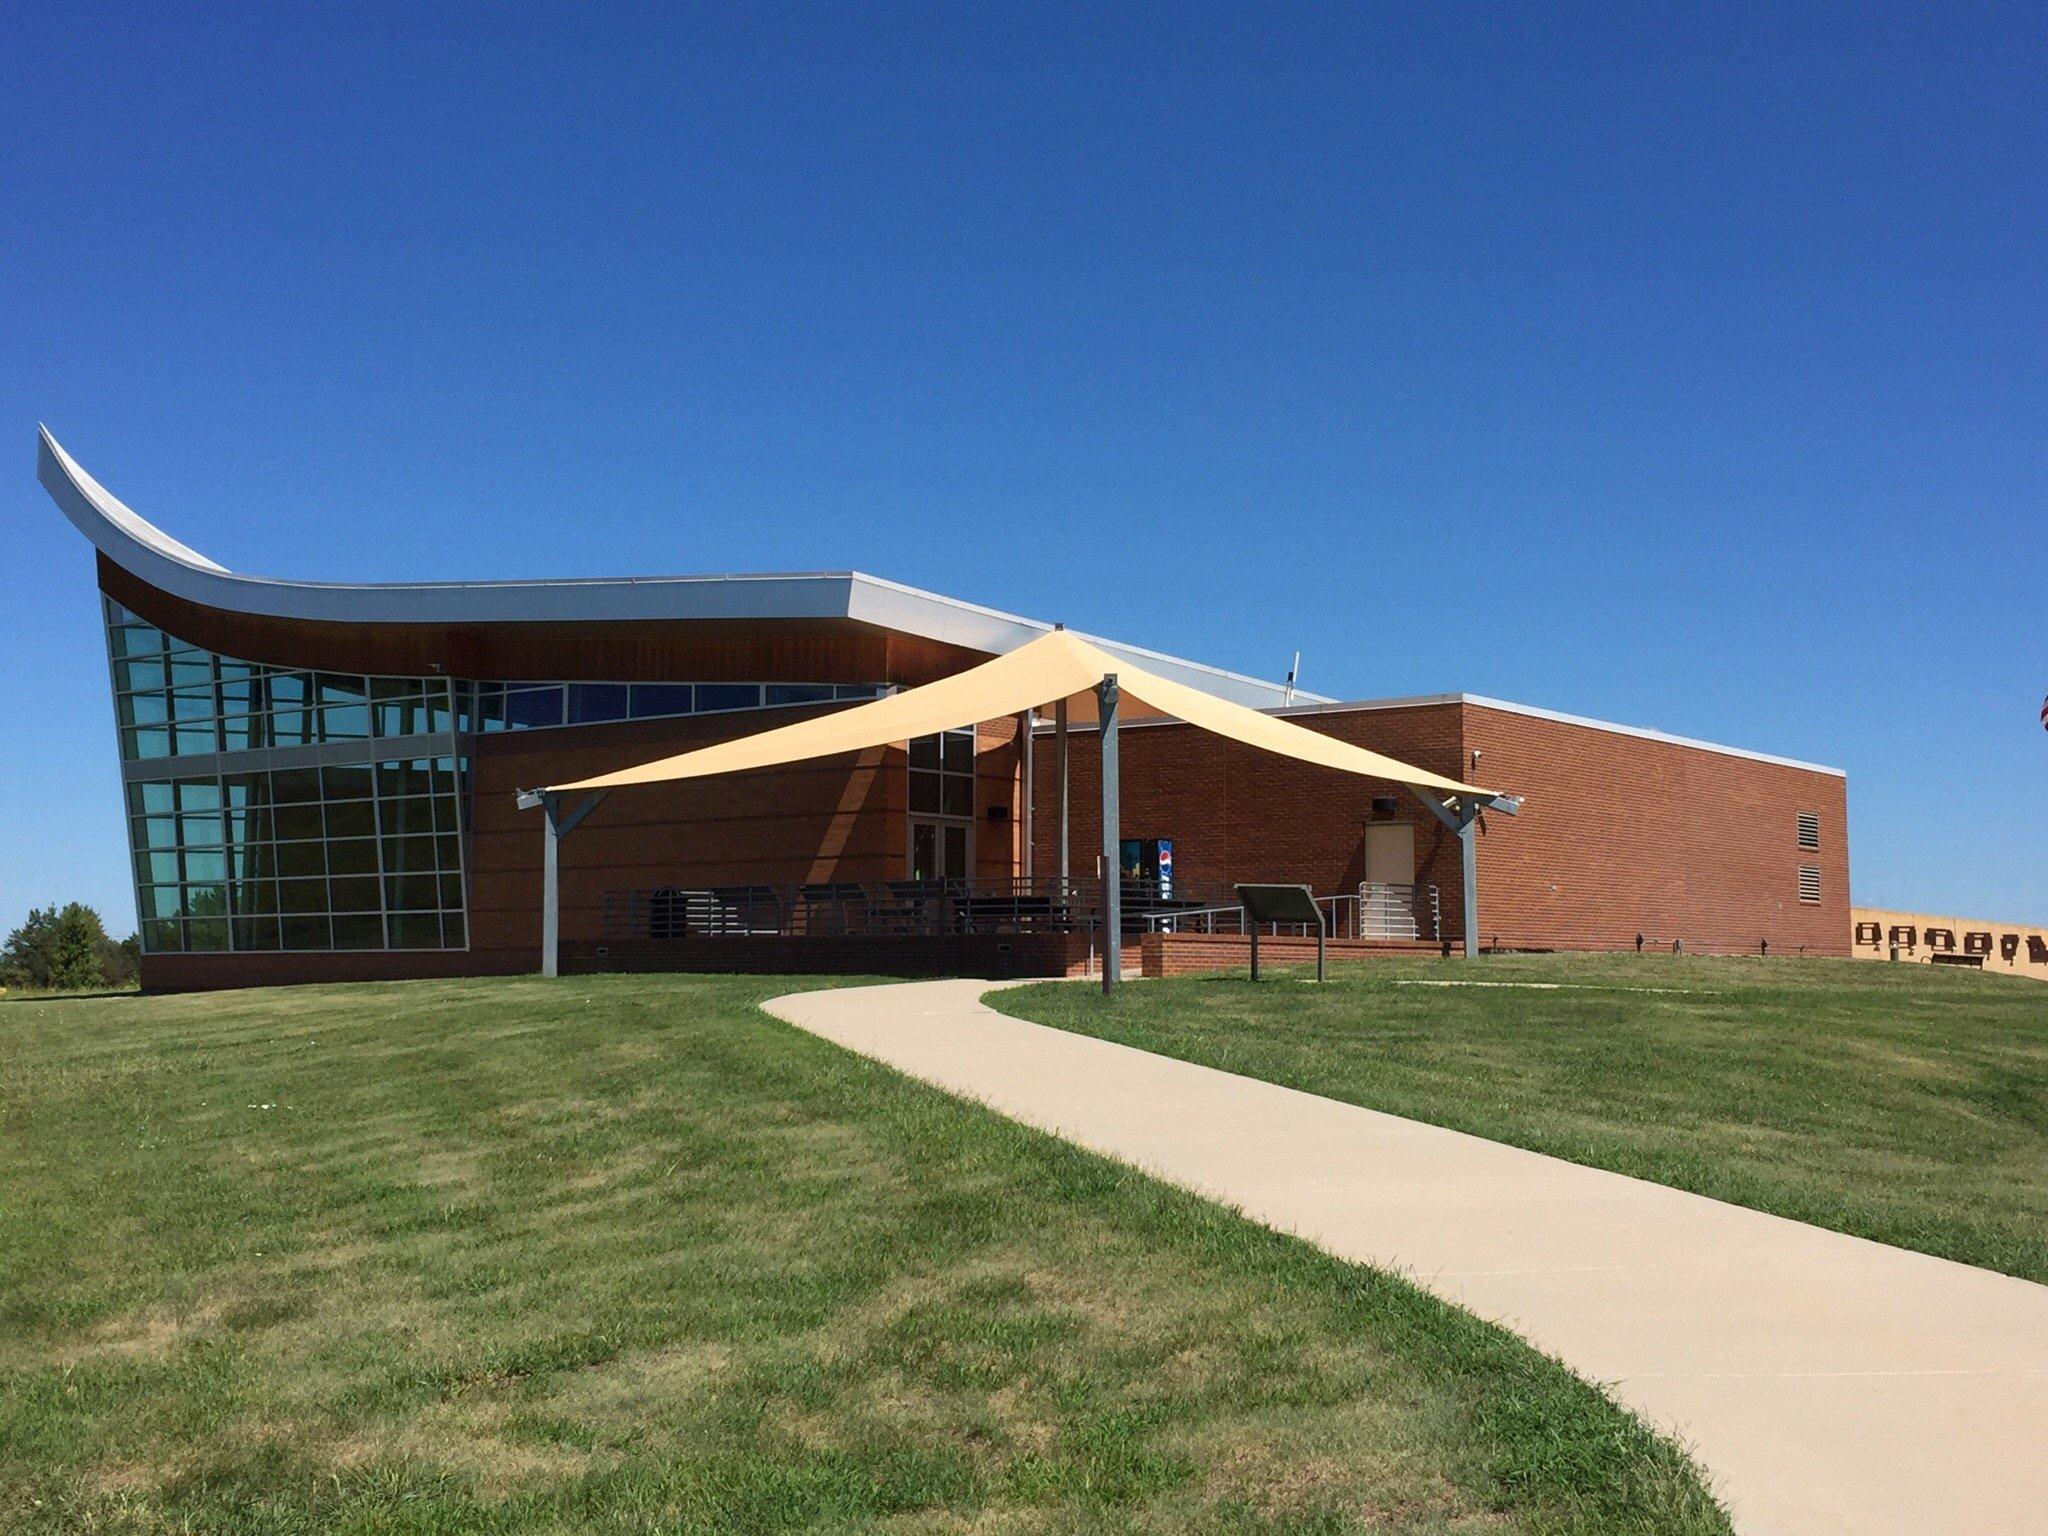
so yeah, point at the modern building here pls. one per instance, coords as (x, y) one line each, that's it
(321, 780)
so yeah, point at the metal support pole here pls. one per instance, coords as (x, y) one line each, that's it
(550, 887)
(1059, 736)
(1112, 841)
(1025, 776)
(1468, 864)
(556, 825)
(1255, 947)
(1463, 818)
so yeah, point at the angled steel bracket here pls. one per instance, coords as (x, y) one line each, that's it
(556, 825)
(1461, 815)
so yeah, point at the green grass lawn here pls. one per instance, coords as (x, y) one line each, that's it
(1901, 1102)
(625, 1255)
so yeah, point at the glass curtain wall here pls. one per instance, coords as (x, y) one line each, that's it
(272, 808)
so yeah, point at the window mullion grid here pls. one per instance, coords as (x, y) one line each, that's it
(229, 845)
(107, 626)
(260, 709)
(377, 831)
(458, 798)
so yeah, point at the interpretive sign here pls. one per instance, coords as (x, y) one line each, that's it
(1284, 904)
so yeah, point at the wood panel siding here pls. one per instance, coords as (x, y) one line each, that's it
(685, 650)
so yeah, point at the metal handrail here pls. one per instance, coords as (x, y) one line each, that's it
(1388, 911)
(1230, 919)
(1022, 904)
(1374, 911)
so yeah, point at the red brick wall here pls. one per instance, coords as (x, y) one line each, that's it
(995, 955)
(839, 818)
(1236, 813)
(213, 972)
(1620, 835)
(996, 846)
(1623, 835)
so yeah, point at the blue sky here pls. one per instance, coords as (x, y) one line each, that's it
(1686, 370)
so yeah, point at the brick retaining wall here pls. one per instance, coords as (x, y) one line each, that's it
(994, 955)
(1188, 954)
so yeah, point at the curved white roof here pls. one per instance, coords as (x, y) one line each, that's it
(146, 552)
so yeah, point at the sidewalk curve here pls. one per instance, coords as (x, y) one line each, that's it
(1831, 1386)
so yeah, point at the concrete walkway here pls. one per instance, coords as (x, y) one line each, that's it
(1829, 1385)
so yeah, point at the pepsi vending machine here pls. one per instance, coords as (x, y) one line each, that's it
(1148, 861)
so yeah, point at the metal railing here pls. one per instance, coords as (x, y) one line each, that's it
(1374, 911)
(838, 909)
(1021, 905)
(1140, 901)
(1338, 911)
(1398, 912)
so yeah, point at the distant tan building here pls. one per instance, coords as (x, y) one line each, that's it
(1878, 933)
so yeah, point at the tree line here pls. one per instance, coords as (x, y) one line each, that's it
(66, 949)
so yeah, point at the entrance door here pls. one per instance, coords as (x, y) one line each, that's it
(941, 797)
(1390, 853)
(939, 850)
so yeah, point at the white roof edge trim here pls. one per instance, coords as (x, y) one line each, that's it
(878, 601)
(139, 547)
(90, 503)
(1646, 733)
(1481, 701)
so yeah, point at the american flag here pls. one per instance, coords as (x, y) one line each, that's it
(2044, 714)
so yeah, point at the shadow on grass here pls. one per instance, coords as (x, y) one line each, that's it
(27, 996)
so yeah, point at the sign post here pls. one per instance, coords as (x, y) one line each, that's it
(1284, 904)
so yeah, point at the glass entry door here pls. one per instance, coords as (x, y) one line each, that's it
(942, 806)
(939, 850)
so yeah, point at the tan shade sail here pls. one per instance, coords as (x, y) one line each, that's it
(1055, 666)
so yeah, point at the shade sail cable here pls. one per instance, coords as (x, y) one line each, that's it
(1058, 665)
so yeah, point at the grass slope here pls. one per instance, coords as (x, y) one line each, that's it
(1904, 1103)
(623, 1254)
